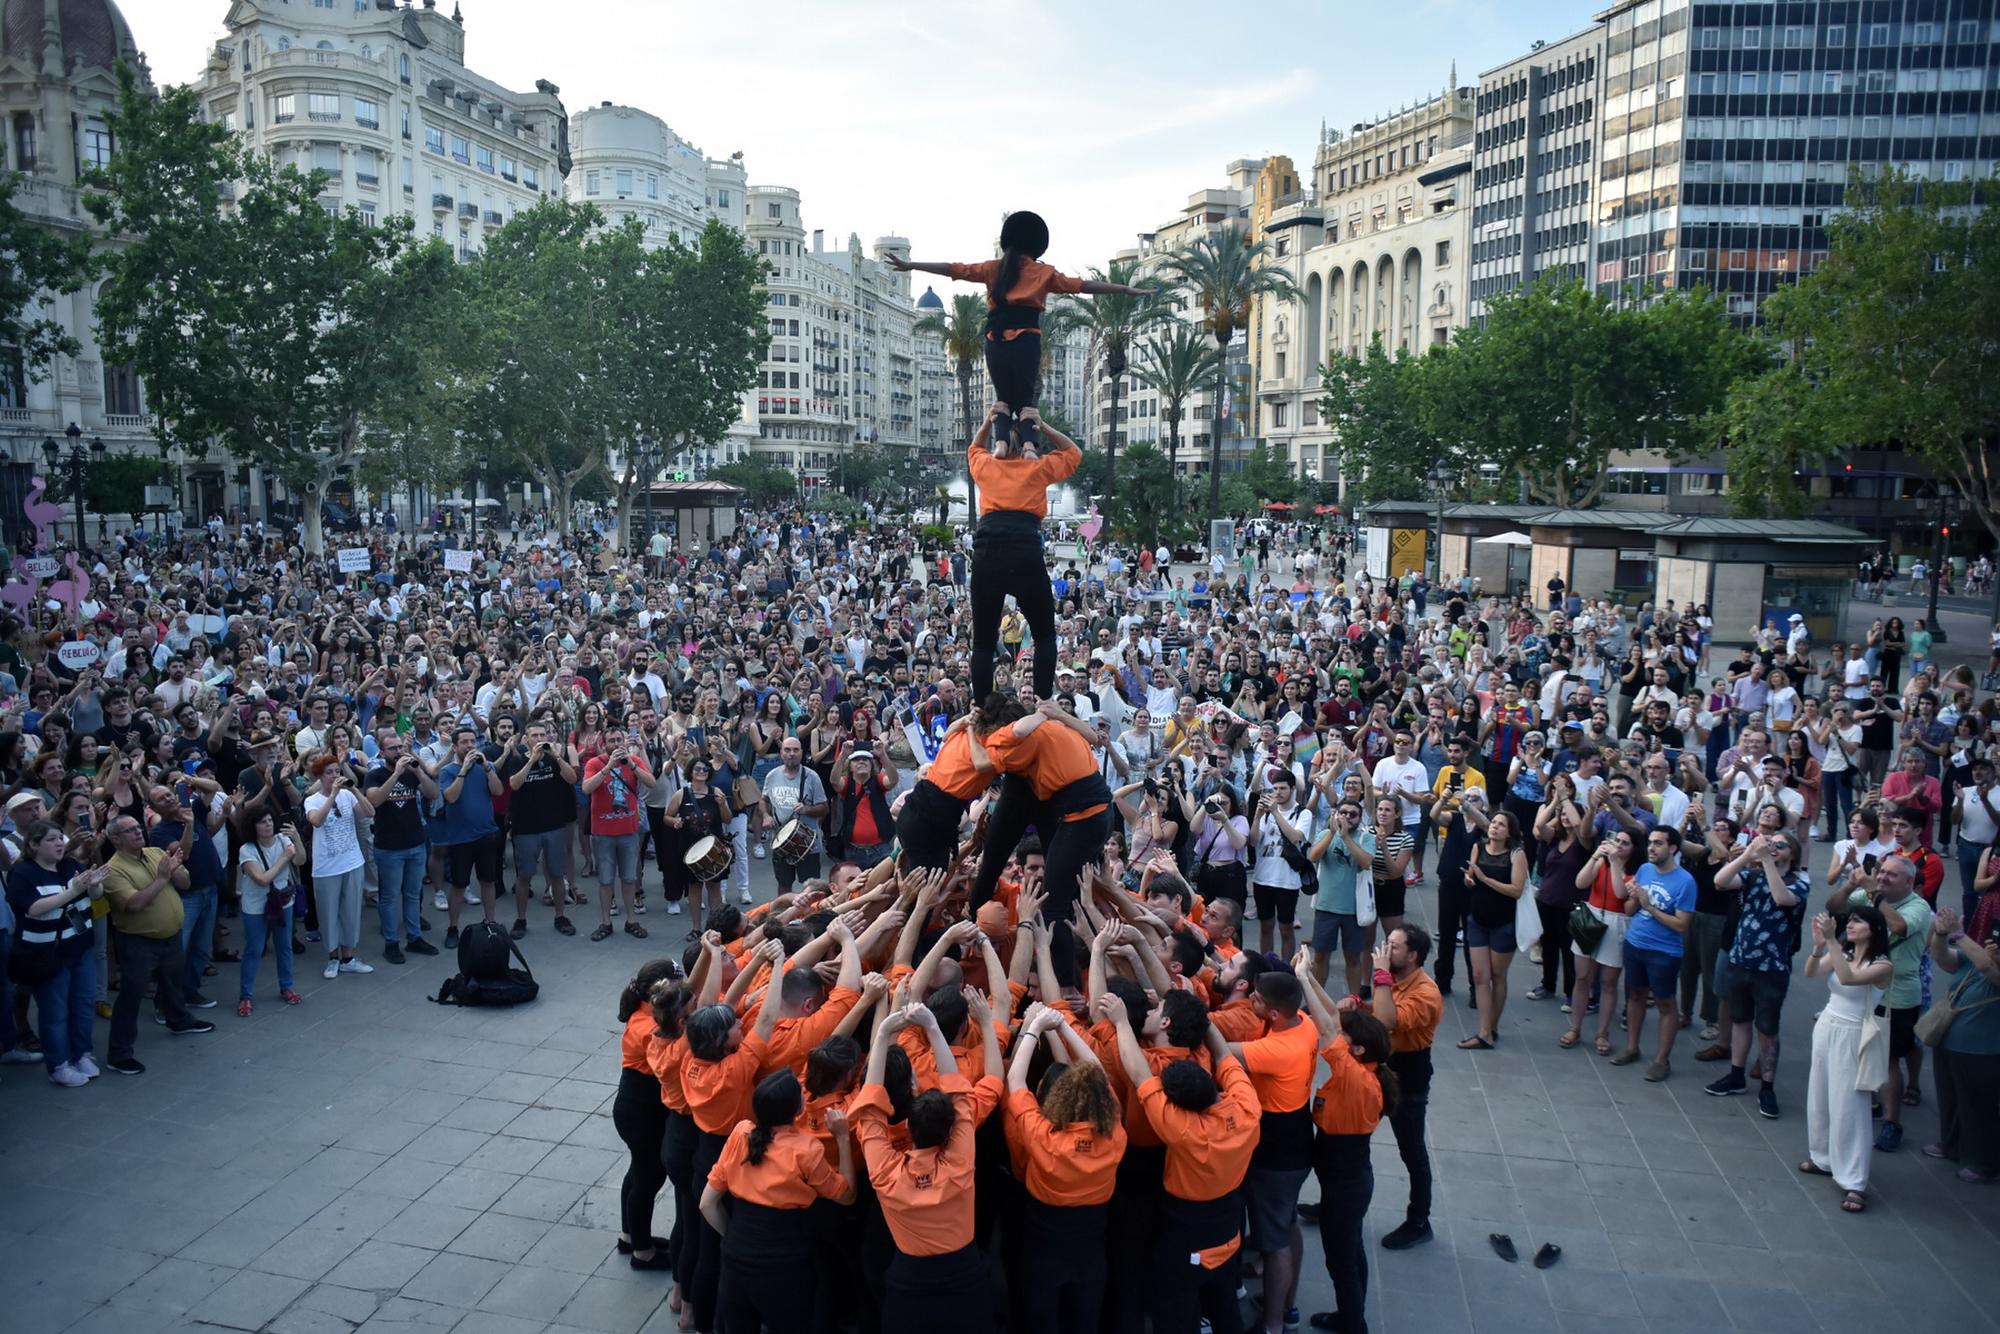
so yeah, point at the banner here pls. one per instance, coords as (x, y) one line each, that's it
(458, 560)
(354, 560)
(77, 654)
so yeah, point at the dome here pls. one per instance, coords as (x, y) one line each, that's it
(929, 301)
(93, 34)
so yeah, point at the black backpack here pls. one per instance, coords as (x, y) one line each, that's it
(484, 977)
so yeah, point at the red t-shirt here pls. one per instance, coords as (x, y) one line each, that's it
(614, 806)
(865, 832)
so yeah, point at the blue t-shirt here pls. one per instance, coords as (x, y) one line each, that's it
(470, 818)
(1669, 891)
(204, 863)
(1337, 873)
(1766, 934)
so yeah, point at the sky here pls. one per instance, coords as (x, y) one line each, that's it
(932, 120)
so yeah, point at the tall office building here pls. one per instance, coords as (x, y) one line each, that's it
(1729, 130)
(1534, 162)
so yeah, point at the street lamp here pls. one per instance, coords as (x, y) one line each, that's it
(1442, 477)
(1947, 514)
(76, 458)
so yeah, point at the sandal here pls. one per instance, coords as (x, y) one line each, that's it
(602, 932)
(210, 971)
(578, 896)
(1570, 1039)
(1853, 1202)
(1474, 1043)
(1813, 1169)
(549, 898)
(226, 956)
(1913, 1097)
(634, 929)
(1603, 1046)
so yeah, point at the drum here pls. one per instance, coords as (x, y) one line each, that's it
(708, 860)
(795, 842)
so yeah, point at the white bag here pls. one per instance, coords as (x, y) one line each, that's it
(1364, 899)
(1527, 920)
(1871, 1068)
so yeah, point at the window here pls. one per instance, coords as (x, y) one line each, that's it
(322, 106)
(531, 178)
(228, 121)
(460, 150)
(322, 4)
(96, 147)
(1280, 416)
(774, 211)
(434, 140)
(284, 108)
(367, 212)
(590, 182)
(508, 170)
(284, 43)
(367, 114)
(1753, 37)
(624, 183)
(13, 378)
(652, 185)
(722, 201)
(403, 68)
(121, 391)
(409, 177)
(482, 158)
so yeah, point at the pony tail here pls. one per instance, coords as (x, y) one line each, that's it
(758, 1141)
(1005, 276)
(1392, 1088)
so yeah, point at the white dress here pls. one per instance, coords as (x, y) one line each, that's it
(1839, 1135)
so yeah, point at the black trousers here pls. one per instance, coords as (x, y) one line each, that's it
(1067, 847)
(1968, 1089)
(1413, 1071)
(142, 959)
(1007, 558)
(641, 1121)
(937, 1294)
(1346, 1185)
(706, 1242)
(1015, 365)
(1452, 896)
(677, 1160)
(1060, 1288)
(927, 830)
(833, 1238)
(1133, 1227)
(1556, 952)
(1180, 1292)
(766, 1274)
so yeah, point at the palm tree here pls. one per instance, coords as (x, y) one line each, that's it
(1112, 319)
(963, 331)
(1223, 271)
(1174, 363)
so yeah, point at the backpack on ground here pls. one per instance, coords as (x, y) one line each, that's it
(484, 976)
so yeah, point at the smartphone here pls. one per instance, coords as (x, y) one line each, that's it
(83, 821)
(1870, 862)
(181, 792)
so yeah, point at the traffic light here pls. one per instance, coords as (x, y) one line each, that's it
(1944, 530)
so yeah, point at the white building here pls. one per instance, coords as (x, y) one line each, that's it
(57, 86)
(1377, 250)
(378, 95)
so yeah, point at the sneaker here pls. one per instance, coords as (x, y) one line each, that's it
(418, 945)
(674, 908)
(471, 895)
(290, 997)
(197, 1001)
(1308, 1212)
(1566, 1007)
(1889, 1138)
(193, 1026)
(451, 938)
(1250, 911)
(759, 852)
(1535, 953)
(1406, 1234)
(1767, 1102)
(1728, 1086)
(519, 929)
(86, 1066)
(1540, 993)
(1709, 1033)
(312, 938)
(1716, 1051)
(439, 901)
(332, 969)
(243, 1008)
(68, 1076)
(564, 927)
(393, 952)
(356, 966)
(124, 1065)
(19, 1056)
(747, 900)
(423, 923)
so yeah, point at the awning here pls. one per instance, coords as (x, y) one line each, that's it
(1279, 505)
(1507, 540)
(1326, 509)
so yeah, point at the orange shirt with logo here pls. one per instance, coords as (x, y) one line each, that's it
(793, 1173)
(1065, 1166)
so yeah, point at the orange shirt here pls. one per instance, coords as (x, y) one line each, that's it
(666, 1057)
(792, 1040)
(1419, 1007)
(1033, 281)
(1237, 1020)
(1064, 1166)
(1281, 1066)
(1208, 1151)
(926, 1194)
(793, 1173)
(1019, 484)
(952, 772)
(633, 1042)
(1103, 1039)
(718, 1092)
(969, 1052)
(1350, 1102)
(1051, 758)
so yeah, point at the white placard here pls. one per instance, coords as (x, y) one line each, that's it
(354, 560)
(77, 654)
(42, 567)
(458, 560)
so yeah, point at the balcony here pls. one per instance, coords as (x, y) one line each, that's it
(368, 124)
(465, 158)
(509, 176)
(492, 218)
(283, 117)
(468, 211)
(324, 117)
(367, 180)
(441, 203)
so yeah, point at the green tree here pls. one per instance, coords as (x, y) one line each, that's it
(1112, 320)
(1146, 503)
(36, 261)
(868, 472)
(1224, 272)
(961, 327)
(1373, 402)
(117, 485)
(762, 483)
(275, 326)
(1890, 339)
(1175, 362)
(1559, 378)
(1268, 479)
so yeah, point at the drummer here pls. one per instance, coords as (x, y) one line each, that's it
(793, 796)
